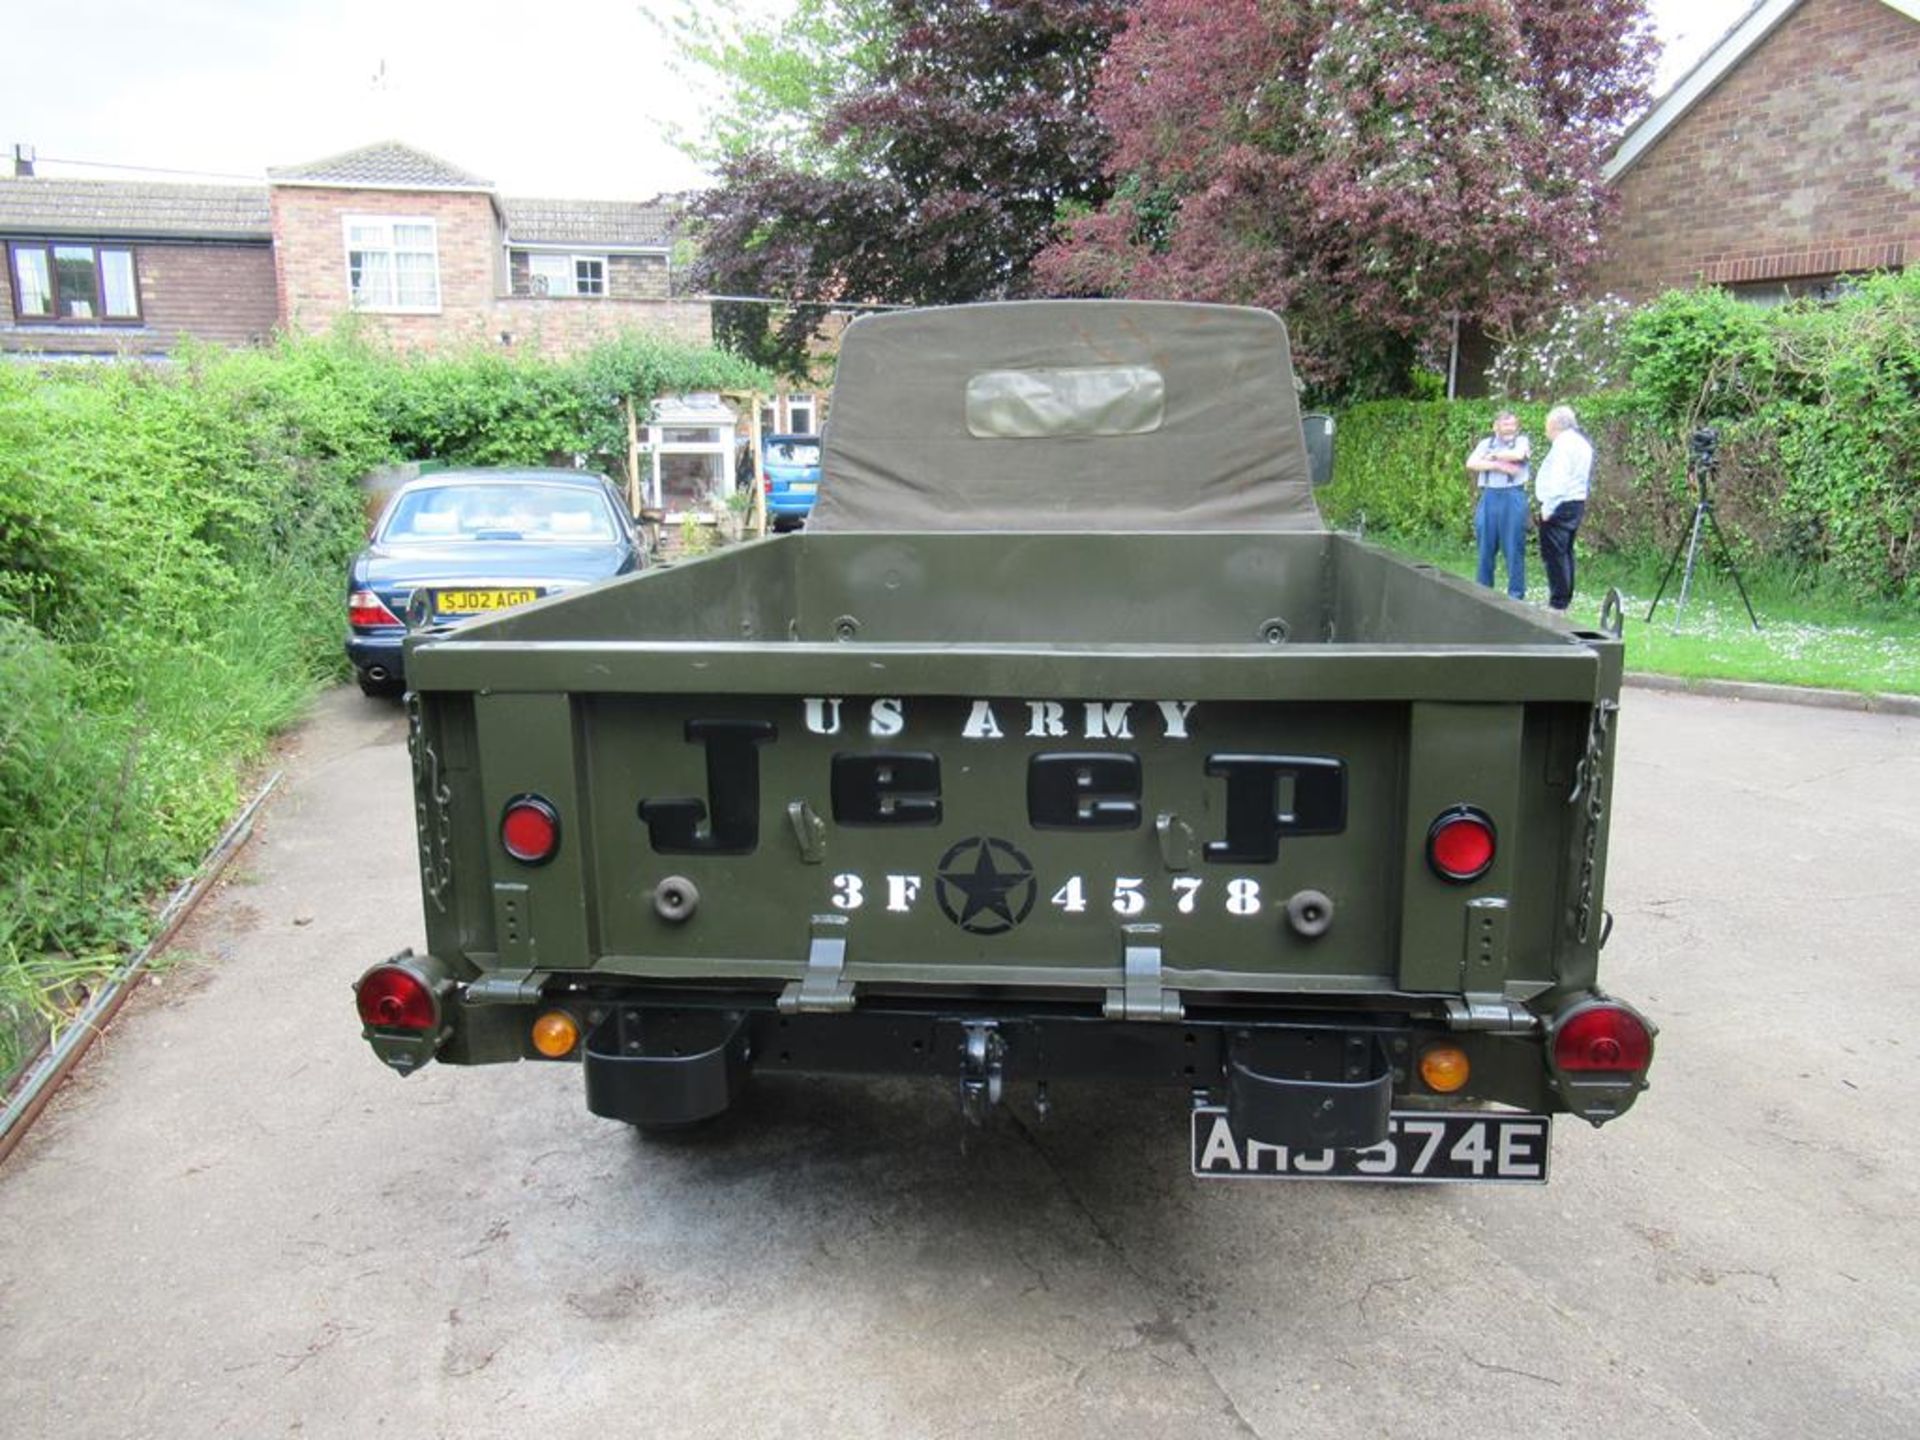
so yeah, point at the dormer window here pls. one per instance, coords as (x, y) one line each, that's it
(567, 274)
(60, 283)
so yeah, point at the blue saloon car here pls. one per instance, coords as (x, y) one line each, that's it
(460, 544)
(790, 471)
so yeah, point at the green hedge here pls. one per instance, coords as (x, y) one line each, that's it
(1818, 409)
(484, 408)
(173, 542)
(1400, 469)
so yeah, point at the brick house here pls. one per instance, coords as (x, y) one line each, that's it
(96, 267)
(1788, 156)
(434, 256)
(418, 249)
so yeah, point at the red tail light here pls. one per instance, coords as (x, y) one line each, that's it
(1460, 845)
(392, 997)
(530, 830)
(366, 612)
(1602, 1037)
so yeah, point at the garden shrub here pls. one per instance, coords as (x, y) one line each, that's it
(1695, 354)
(1817, 408)
(173, 543)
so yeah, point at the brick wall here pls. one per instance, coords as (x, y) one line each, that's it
(311, 264)
(638, 277)
(223, 293)
(310, 253)
(1803, 161)
(562, 327)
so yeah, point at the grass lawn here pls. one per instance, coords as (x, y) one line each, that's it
(1803, 639)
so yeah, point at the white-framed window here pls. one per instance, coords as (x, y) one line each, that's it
(393, 263)
(567, 274)
(800, 417)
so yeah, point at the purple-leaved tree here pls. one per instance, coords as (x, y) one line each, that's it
(1371, 168)
(947, 167)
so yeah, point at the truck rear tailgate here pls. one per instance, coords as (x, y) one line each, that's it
(1251, 846)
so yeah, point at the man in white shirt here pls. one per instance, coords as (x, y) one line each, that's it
(1561, 489)
(1499, 465)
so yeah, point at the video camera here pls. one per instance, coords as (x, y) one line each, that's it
(1703, 449)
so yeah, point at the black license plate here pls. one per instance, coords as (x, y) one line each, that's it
(1423, 1147)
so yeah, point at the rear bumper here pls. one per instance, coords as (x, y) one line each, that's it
(1292, 1083)
(378, 650)
(1324, 1079)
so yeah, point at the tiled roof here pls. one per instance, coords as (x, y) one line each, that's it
(41, 206)
(589, 222)
(388, 165)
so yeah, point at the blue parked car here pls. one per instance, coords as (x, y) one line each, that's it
(461, 544)
(790, 471)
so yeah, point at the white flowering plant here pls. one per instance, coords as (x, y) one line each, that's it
(1576, 349)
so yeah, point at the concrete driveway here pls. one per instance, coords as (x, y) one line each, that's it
(235, 1222)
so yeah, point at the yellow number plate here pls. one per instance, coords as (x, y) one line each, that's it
(475, 602)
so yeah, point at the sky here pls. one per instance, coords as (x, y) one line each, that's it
(573, 98)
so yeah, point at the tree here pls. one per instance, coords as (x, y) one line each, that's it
(938, 177)
(776, 80)
(1369, 167)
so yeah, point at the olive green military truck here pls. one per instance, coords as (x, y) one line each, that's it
(1066, 744)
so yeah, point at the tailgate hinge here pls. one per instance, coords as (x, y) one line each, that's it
(824, 989)
(1142, 996)
(506, 987)
(1494, 1014)
(1484, 1003)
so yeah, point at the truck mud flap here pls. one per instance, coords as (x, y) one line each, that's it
(664, 1068)
(1271, 1098)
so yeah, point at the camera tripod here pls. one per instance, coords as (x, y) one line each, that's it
(1702, 471)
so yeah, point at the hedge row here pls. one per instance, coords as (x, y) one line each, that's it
(1400, 469)
(172, 549)
(1818, 412)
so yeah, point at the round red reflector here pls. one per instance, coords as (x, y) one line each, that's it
(1603, 1037)
(1460, 845)
(530, 830)
(390, 998)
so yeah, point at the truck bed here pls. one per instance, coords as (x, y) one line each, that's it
(984, 653)
(873, 609)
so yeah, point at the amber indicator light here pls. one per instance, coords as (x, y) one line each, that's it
(1444, 1068)
(555, 1034)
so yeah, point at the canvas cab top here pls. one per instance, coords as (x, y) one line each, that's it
(1089, 415)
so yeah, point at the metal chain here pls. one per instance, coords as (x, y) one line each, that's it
(435, 826)
(1590, 780)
